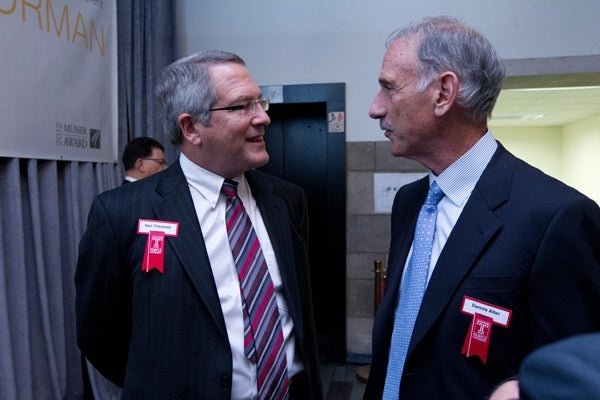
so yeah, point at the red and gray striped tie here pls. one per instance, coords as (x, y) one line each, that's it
(263, 337)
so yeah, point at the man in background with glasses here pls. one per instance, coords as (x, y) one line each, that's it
(142, 157)
(194, 283)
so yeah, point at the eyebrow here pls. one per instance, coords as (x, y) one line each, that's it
(384, 80)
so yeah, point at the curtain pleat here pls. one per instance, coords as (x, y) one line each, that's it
(14, 327)
(43, 207)
(44, 245)
(146, 46)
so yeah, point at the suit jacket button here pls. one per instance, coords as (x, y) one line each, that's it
(225, 381)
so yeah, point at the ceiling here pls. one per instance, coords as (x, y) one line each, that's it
(552, 100)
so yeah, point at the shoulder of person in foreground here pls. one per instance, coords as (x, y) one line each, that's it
(566, 369)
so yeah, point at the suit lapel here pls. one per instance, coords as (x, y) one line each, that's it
(475, 227)
(174, 202)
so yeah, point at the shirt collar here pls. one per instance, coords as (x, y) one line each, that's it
(207, 183)
(459, 179)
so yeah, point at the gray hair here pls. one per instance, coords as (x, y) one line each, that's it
(448, 45)
(185, 87)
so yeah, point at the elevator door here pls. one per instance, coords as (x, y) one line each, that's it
(303, 152)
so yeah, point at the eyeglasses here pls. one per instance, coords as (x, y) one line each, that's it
(161, 161)
(247, 106)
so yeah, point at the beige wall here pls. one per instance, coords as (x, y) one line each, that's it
(568, 153)
(581, 163)
(539, 146)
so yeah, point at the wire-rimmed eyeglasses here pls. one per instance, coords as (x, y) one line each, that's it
(248, 106)
(161, 161)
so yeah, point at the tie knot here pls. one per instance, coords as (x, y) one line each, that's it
(230, 188)
(434, 195)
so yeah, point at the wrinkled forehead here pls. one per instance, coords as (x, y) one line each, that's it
(404, 49)
(400, 58)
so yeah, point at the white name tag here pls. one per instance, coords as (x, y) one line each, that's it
(500, 316)
(150, 225)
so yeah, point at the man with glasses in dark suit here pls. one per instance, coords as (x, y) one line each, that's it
(164, 304)
(142, 157)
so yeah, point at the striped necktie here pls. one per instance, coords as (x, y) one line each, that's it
(411, 292)
(263, 337)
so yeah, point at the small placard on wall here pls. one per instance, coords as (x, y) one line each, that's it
(387, 184)
(336, 121)
(273, 93)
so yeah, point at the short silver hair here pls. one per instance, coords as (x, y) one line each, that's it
(185, 87)
(445, 44)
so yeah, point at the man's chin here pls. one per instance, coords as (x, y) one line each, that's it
(262, 161)
(397, 151)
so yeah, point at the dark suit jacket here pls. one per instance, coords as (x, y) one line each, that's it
(163, 336)
(565, 370)
(524, 242)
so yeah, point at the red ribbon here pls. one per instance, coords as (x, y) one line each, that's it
(477, 341)
(155, 252)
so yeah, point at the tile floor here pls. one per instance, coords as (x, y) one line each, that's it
(340, 382)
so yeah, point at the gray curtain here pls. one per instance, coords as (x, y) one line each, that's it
(146, 46)
(43, 212)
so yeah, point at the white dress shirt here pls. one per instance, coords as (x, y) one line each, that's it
(210, 203)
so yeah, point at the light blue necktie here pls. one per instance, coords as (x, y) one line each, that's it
(411, 292)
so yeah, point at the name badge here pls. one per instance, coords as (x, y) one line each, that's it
(485, 316)
(154, 254)
(147, 225)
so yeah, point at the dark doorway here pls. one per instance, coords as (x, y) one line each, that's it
(303, 151)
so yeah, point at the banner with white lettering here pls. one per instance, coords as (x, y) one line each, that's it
(58, 80)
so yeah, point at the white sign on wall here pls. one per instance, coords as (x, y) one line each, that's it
(387, 184)
(336, 121)
(58, 80)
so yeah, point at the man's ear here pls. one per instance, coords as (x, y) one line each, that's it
(139, 167)
(187, 124)
(447, 91)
